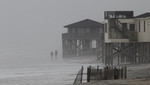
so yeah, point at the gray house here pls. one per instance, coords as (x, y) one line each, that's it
(83, 38)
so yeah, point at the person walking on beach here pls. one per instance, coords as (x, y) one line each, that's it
(56, 54)
(51, 55)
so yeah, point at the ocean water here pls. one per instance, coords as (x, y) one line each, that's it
(57, 72)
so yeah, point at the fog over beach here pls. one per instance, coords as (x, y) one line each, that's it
(31, 29)
(57, 72)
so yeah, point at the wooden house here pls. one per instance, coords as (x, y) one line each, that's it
(83, 38)
(127, 37)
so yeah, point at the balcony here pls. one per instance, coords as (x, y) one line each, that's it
(83, 36)
(133, 37)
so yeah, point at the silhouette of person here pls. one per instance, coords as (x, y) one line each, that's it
(51, 55)
(56, 54)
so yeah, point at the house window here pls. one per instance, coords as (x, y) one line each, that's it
(93, 30)
(93, 43)
(73, 30)
(139, 26)
(144, 26)
(132, 27)
(80, 30)
(87, 30)
(69, 30)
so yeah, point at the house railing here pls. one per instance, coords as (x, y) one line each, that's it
(78, 79)
(82, 35)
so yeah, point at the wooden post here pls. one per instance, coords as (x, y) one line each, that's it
(101, 76)
(121, 73)
(148, 52)
(115, 73)
(111, 52)
(88, 73)
(97, 73)
(112, 73)
(81, 73)
(106, 73)
(125, 74)
(106, 54)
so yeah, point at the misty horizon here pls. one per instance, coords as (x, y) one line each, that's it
(32, 28)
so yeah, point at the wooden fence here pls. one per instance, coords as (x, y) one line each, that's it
(107, 73)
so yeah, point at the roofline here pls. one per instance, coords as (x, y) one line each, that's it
(84, 20)
(143, 18)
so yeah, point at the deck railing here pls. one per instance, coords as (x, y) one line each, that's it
(82, 35)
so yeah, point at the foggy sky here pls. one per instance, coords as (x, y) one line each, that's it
(32, 28)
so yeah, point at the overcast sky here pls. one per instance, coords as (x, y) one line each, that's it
(33, 28)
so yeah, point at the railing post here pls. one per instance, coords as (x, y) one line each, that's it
(106, 73)
(116, 73)
(97, 74)
(100, 75)
(88, 73)
(125, 74)
(122, 74)
(81, 73)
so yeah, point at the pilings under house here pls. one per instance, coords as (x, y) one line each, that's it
(122, 39)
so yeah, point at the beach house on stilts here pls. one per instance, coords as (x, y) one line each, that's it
(127, 38)
(84, 38)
